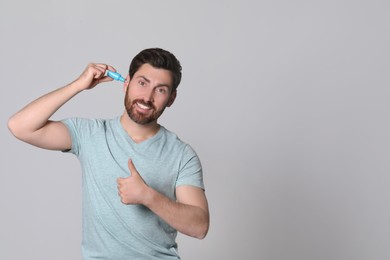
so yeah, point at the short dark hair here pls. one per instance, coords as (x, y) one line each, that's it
(160, 59)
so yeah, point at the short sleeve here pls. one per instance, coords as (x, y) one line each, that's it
(73, 125)
(190, 172)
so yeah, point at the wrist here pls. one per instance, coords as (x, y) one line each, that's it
(75, 86)
(149, 197)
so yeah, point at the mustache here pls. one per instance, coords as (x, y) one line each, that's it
(143, 102)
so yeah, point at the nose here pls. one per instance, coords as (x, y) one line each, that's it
(149, 95)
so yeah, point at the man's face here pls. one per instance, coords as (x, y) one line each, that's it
(148, 93)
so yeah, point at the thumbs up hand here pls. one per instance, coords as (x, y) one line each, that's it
(132, 189)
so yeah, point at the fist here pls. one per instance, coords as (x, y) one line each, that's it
(93, 74)
(132, 189)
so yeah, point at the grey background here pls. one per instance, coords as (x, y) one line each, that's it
(286, 103)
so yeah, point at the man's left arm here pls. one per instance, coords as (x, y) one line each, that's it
(189, 214)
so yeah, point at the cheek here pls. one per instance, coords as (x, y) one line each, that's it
(130, 93)
(162, 104)
(128, 98)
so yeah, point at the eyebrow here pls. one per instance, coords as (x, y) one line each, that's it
(159, 85)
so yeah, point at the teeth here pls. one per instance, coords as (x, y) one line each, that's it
(143, 106)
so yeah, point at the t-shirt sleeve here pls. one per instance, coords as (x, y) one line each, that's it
(190, 172)
(78, 129)
(81, 130)
(73, 125)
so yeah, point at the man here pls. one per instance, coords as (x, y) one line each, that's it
(141, 184)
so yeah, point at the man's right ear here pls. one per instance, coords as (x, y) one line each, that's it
(126, 83)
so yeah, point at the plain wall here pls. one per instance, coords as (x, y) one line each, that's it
(286, 103)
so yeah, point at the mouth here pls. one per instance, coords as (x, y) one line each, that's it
(143, 106)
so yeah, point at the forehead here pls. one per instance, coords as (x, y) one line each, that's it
(154, 75)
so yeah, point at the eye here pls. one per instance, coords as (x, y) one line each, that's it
(142, 83)
(161, 90)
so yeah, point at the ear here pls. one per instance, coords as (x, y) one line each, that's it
(126, 83)
(172, 98)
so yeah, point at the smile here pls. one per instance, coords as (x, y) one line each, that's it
(143, 106)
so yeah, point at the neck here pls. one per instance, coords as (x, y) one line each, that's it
(136, 131)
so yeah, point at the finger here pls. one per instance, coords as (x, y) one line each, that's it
(109, 67)
(105, 67)
(105, 79)
(95, 73)
(119, 181)
(98, 67)
(99, 73)
(100, 70)
(101, 66)
(132, 168)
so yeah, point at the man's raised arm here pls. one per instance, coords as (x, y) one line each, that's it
(32, 125)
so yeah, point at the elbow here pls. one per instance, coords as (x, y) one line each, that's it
(202, 233)
(12, 127)
(15, 127)
(203, 229)
(197, 230)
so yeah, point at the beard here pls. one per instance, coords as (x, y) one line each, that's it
(138, 117)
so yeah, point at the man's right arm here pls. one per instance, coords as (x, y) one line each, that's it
(32, 125)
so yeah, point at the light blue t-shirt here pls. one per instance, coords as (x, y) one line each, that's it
(111, 229)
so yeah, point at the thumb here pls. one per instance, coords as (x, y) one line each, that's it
(132, 168)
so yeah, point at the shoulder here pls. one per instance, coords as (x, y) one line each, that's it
(176, 142)
(172, 137)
